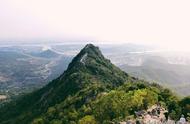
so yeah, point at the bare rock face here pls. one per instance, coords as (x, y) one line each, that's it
(156, 114)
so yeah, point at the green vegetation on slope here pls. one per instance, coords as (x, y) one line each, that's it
(88, 68)
(91, 90)
(94, 106)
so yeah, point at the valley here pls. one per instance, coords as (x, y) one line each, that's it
(28, 67)
(93, 90)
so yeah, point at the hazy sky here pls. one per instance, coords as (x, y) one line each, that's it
(161, 22)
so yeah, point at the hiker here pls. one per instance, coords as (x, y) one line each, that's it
(182, 120)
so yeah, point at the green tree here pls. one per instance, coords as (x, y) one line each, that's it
(185, 104)
(51, 112)
(111, 106)
(144, 98)
(56, 122)
(38, 121)
(88, 119)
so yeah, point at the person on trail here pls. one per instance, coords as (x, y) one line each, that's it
(182, 120)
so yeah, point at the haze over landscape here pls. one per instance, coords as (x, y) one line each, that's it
(164, 23)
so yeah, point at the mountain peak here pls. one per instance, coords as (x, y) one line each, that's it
(87, 70)
(91, 49)
(88, 54)
(90, 60)
(90, 45)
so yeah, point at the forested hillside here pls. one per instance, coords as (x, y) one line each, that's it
(91, 91)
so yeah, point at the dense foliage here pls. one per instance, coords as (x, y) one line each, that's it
(115, 105)
(185, 103)
(91, 91)
(89, 67)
